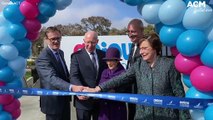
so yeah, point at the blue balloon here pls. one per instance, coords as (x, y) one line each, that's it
(1, 108)
(20, 73)
(170, 34)
(62, 4)
(158, 27)
(186, 81)
(8, 51)
(13, 14)
(172, 11)
(194, 93)
(23, 44)
(199, 18)
(5, 116)
(208, 114)
(42, 18)
(206, 56)
(209, 33)
(3, 62)
(133, 2)
(6, 74)
(16, 83)
(191, 42)
(153, 8)
(26, 53)
(47, 8)
(17, 31)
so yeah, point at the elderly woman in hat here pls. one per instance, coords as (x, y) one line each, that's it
(112, 110)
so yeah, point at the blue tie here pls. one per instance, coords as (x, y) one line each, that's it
(61, 63)
(94, 60)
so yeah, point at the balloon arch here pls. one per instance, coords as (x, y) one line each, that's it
(184, 25)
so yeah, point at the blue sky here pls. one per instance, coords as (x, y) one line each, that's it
(118, 12)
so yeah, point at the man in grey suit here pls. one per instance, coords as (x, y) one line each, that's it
(54, 75)
(85, 70)
(135, 33)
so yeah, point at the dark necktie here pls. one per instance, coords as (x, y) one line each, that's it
(60, 62)
(94, 60)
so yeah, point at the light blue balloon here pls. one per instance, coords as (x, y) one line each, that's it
(170, 34)
(172, 11)
(6, 74)
(5, 37)
(17, 31)
(191, 42)
(8, 51)
(194, 93)
(209, 33)
(186, 81)
(12, 13)
(3, 62)
(47, 9)
(3, 20)
(5, 116)
(208, 114)
(23, 44)
(62, 4)
(19, 73)
(197, 114)
(206, 56)
(17, 64)
(199, 18)
(150, 12)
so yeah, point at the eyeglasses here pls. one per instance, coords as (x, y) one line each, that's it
(58, 39)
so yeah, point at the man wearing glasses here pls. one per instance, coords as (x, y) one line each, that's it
(85, 70)
(54, 75)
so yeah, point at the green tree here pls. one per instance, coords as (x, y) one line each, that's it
(96, 23)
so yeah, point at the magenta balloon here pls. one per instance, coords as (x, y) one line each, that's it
(32, 25)
(174, 51)
(16, 113)
(202, 78)
(33, 1)
(2, 83)
(6, 99)
(15, 104)
(33, 36)
(186, 64)
(29, 10)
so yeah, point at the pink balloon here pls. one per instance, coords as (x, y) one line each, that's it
(15, 114)
(33, 36)
(6, 99)
(12, 106)
(174, 51)
(29, 10)
(2, 83)
(33, 1)
(185, 64)
(202, 78)
(32, 25)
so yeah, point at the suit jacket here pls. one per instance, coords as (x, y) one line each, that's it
(82, 72)
(52, 76)
(132, 60)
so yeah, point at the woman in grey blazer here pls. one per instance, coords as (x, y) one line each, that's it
(155, 75)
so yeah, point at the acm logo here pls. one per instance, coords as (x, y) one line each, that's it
(197, 4)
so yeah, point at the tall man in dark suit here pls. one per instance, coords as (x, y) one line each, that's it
(54, 75)
(85, 70)
(135, 31)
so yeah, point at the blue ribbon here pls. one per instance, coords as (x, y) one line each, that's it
(147, 100)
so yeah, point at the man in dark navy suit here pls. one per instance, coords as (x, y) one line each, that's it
(85, 70)
(54, 75)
